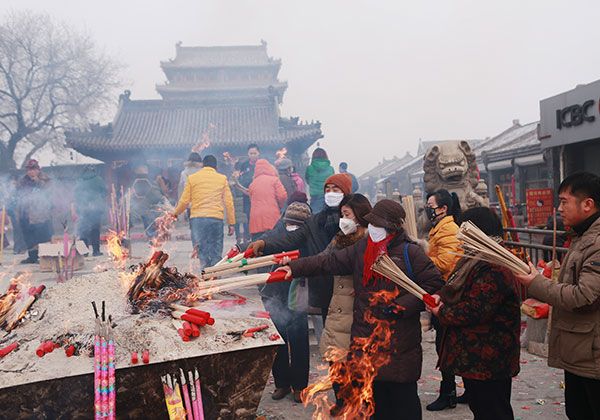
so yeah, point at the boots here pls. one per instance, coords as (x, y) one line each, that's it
(279, 393)
(32, 258)
(462, 399)
(443, 401)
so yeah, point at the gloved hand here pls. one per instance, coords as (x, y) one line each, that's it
(393, 312)
(258, 247)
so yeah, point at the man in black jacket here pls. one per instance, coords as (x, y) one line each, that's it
(314, 235)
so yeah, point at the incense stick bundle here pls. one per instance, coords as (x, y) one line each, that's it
(232, 253)
(478, 245)
(387, 268)
(246, 264)
(215, 286)
(410, 222)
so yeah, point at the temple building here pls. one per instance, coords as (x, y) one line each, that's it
(216, 100)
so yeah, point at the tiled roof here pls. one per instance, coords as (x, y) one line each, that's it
(163, 125)
(229, 56)
(387, 167)
(514, 137)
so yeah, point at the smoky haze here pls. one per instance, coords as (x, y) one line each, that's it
(379, 75)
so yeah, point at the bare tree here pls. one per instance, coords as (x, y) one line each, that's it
(51, 77)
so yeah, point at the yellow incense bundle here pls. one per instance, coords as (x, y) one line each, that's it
(388, 268)
(410, 223)
(478, 245)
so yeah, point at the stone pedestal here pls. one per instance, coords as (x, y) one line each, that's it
(232, 385)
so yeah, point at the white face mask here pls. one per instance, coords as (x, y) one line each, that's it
(348, 226)
(291, 228)
(377, 234)
(333, 199)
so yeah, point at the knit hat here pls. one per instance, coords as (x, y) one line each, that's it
(32, 164)
(342, 181)
(283, 164)
(388, 214)
(297, 213)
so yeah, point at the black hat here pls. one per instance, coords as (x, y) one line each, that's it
(388, 214)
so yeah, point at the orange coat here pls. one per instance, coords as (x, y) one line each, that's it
(442, 241)
(267, 197)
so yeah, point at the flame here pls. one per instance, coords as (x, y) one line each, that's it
(228, 159)
(204, 142)
(356, 374)
(281, 154)
(164, 226)
(115, 249)
(15, 303)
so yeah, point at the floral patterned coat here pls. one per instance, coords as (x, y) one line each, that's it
(481, 339)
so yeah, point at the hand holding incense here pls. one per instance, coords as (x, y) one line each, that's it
(387, 268)
(478, 245)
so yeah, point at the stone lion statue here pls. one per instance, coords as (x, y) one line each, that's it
(451, 166)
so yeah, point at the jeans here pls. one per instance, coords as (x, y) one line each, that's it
(582, 397)
(207, 239)
(489, 400)
(293, 328)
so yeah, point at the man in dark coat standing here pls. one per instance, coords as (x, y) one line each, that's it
(315, 234)
(33, 209)
(90, 196)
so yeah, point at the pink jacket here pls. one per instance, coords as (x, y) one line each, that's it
(267, 197)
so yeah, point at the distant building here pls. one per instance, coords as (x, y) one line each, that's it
(514, 161)
(570, 131)
(216, 99)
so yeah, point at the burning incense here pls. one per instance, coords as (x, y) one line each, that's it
(410, 222)
(478, 245)
(112, 391)
(186, 395)
(232, 253)
(210, 287)
(387, 268)
(247, 264)
(172, 399)
(193, 396)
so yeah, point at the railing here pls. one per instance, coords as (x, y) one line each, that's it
(535, 250)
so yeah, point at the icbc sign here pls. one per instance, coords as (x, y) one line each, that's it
(574, 115)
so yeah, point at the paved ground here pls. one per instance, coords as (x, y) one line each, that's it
(536, 393)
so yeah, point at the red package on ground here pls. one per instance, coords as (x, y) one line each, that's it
(535, 309)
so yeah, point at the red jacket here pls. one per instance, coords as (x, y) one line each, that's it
(267, 197)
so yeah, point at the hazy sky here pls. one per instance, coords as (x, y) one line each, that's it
(379, 75)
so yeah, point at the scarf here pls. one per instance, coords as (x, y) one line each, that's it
(373, 251)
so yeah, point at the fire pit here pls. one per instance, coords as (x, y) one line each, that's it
(233, 367)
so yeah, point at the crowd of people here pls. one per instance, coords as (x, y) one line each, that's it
(340, 234)
(476, 315)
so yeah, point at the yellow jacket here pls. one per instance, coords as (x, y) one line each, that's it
(207, 190)
(442, 241)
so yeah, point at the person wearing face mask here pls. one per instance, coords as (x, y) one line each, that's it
(443, 209)
(314, 235)
(292, 362)
(336, 335)
(395, 385)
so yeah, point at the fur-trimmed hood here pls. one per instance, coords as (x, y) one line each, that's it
(344, 241)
